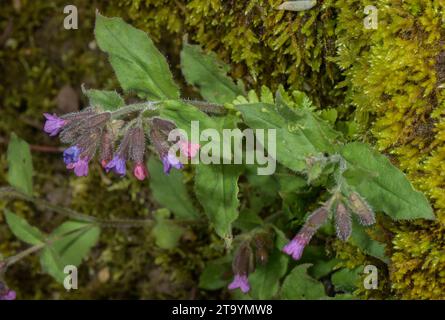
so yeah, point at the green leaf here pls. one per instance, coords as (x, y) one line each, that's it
(212, 277)
(23, 230)
(52, 264)
(322, 268)
(265, 280)
(299, 285)
(167, 234)
(386, 188)
(108, 100)
(299, 133)
(346, 279)
(170, 191)
(362, 240)
(138, 64)
(20, 165)
(209, 74)
(217, 190)
(76, 240)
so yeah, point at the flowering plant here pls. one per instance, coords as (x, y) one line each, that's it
(348, 182)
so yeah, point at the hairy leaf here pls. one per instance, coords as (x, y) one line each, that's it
(217, 190)
(299, 133)
(108, 100)
(209, 74)
(138, 64)
(385, 187)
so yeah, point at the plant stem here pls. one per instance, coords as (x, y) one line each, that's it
(136, 107)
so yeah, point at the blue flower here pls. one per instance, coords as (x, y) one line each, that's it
(71, 155)
(117, 164)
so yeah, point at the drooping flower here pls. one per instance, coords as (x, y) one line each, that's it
(53, 124)
(241, 267)
(240, 281)
(170, 161)
(140, 171)
(117, 164)
(315, 220)
(296, 246)
(71, 155)
(189, 149)
(80, 167)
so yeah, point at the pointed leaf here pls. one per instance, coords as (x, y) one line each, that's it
(386, 188)
(23, 230)
(138, 64)
(108, 100)
(299, 285)
(217, 190)
(209, 74)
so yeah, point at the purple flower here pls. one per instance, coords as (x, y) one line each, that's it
(117, 164)
(80, 167)
(240, 281)
(171, 161)
(8, 295)
(71, 155)
(53, 124)
(295, 247)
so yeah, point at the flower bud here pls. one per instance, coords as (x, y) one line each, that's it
(363, 211)
(137, 144)
(106, 148)
(263, 244)
(343, 222)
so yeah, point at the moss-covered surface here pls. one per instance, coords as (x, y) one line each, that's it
(389, 80)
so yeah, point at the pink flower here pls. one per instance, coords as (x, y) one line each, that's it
(53, 124)
(189, 149)
(80, 167)
(295, 247)
(140, 171)
(240, 281)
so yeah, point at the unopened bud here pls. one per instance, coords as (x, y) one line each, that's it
(106, 148)
(263, 244)
(363, 211)
(343, 222)
(164, 126)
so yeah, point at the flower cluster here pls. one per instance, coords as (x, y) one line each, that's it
(343, 223)
(89, 131)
